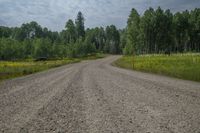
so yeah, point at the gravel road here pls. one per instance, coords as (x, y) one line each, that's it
(95, 97)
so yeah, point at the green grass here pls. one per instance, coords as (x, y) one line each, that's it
(184, 66)
(93, 56)
(12, 69)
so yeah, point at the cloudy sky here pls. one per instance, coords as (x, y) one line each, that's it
(54, 13)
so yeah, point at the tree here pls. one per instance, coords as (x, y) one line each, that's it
(194, 30)
(5, 32)
(59, 51)
(147, 30)
(122, 34)
(181, 24)
(10, 49)
(97, 37)
(70, 31)
(43, 48)
(112, 40)
(168, 40)
(156, 31)
(88, 46)
(163, 30)
(28, 48)
(132, 33)
(80, 28)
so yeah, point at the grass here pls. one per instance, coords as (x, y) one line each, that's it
(12, 69)
(93, 56)
(184, 66)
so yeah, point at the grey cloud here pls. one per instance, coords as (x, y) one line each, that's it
(54, 13)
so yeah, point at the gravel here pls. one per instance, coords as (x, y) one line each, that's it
(95, 97)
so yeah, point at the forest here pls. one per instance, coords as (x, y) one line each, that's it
(160, 31)
(155, 31)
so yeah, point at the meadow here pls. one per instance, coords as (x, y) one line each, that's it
(11, 69)
(183, 66)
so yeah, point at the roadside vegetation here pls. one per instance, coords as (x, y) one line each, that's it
(11, 69)
(184, 66)
(157, 31)
(33, 41)
(162, 33)
(32, 48)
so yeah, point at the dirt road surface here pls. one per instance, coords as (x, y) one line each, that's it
(95, 97)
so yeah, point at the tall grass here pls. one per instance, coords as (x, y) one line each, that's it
(11, 69)
(184, 66)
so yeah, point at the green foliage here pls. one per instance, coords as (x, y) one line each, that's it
(28, 31)
(10, 49)
(184, 66)
(123, 42)
(156, 31)
(128, 49)
(32, 41)
(88, 46)
(43, 48)
(132, 33)
(159, 31)
(112, 40)
(10, 69)
(80, 28)
(97, 37)
(59, 51)
(5, 32)
(70, 31)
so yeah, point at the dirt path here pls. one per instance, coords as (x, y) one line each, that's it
(95, 97)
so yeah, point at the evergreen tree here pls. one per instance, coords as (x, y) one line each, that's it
(80, 28)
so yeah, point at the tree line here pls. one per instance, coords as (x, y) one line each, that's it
(160, 31)
(32, 41)
(155, 31)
